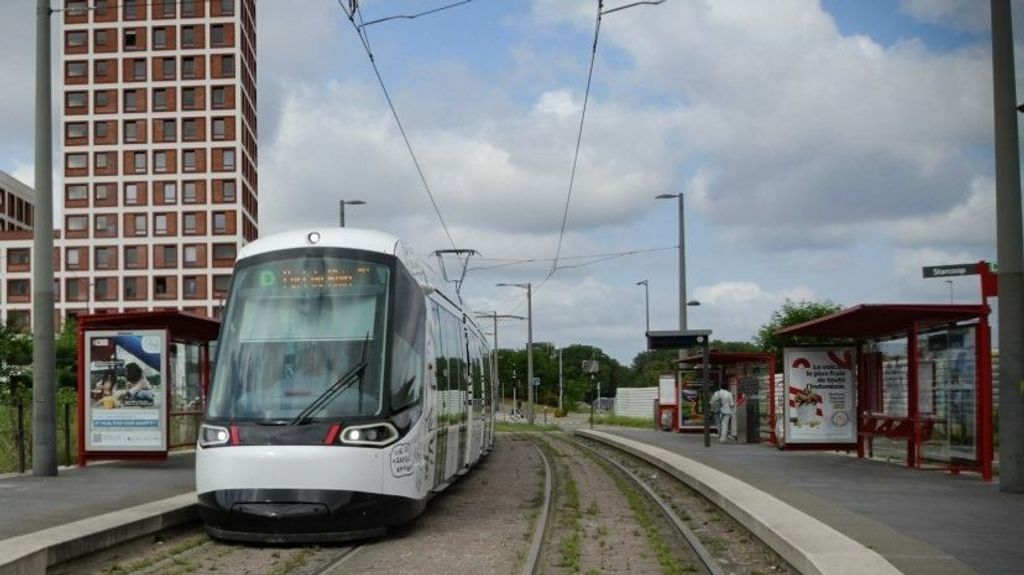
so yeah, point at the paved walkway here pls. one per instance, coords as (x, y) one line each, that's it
(921, 521)
(31, 504)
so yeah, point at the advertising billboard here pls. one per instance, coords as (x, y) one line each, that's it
(822, 395)
(126, 406)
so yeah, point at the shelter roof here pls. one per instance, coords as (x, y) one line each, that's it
(867, 321)
(182, 325)
(729, 358)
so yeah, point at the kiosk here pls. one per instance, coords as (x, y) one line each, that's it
(142, 382)
(750, 377)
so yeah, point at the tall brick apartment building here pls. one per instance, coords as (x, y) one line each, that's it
(159, 156)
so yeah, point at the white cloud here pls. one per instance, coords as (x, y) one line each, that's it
(737, 309)
(970, 15)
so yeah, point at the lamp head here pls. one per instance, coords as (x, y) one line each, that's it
(667, 196)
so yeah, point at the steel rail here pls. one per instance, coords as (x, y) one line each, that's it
(343, 556)
(691, 538)
(533, 557)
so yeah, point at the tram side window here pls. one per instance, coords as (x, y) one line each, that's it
(407, 356)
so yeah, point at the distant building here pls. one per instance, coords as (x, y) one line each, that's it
(158, 156)
(17, 203)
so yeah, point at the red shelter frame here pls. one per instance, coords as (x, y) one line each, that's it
(181, 327)
(869, 322)
(717, 359)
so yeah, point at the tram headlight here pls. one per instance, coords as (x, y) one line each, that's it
(213, 435)
(373, 434)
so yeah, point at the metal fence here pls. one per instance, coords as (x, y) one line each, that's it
(16, 434)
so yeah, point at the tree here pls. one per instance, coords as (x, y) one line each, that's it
(793, 313)
(66, 352)
(15, 361)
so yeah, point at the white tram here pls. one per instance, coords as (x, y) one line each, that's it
(347, 389)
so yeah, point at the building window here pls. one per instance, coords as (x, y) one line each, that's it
(75, 130)
(188, 98)
(101, 159)
(188, 192)
(131, 194)
(72, 259)
(101, 192)
(78, 223)
(131, 132)
(131, 288)
(170, 193)
(139, 69)
(188, 67)
(189, 256)
(170, 256)
(101, 98)
(102, 287)
(76, 99)
(188, 160)
(188, 8)
(189, 285)
(189, 129)
(218, 96)
(223, 251)
(168, 68)
(77, 69)
(217, 37)
(159, 37)
(18, 257)
(227, 7)
(229, 190)
(131, 257)
(77, 161)
(99, 37)
(220, 223)
(131, 101)
(18, 287)
(227, 66)
(221, 285)
(101, 68)
(77, 192)
(168, 8)
(101, 129)
(77, 38)
(102, 258)
(78, 8)
(218, 128)
(189, 223)
(160, 99)
(188, 36)
(130, 39)
(160, 161)
(103, 223)
(229, 159)
(131, 9)
(140, 224)
(160, 224)
(139, 161)
(170, 129)
(160, 286)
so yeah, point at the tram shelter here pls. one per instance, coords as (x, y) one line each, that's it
(142, 382)
(750, 377)
(924, 377)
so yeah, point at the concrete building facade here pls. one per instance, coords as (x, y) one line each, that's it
(159, 155)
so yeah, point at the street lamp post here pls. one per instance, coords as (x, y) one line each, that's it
(341, 209)
(494, 364)
(950, 282)
(529, 343)
(682, 256)
(647, 302)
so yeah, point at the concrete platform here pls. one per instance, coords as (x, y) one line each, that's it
(919, 521)
(45, 521)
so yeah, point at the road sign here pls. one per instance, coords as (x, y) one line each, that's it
(950, 270)
(536, 382)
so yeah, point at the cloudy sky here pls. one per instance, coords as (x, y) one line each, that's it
(826, 149)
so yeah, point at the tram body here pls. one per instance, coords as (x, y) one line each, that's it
(346, 391)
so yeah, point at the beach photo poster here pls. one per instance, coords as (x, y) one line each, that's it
(126, 376)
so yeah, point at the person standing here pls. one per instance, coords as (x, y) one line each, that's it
(726, 405)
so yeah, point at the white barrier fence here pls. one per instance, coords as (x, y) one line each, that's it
(635, 401)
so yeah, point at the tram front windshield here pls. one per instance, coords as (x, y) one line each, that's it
(293, 327)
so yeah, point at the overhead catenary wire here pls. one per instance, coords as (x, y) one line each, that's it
(508, 262)
(365, 40)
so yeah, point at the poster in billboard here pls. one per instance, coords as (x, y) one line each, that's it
(667, 389)
(821, 406)
(126, 408)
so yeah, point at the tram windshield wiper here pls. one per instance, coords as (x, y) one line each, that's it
(353, 375)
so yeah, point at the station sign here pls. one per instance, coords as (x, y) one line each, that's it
(970, 269)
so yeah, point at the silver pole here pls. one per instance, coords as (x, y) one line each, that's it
(494, 368)
(647, 305)
(1010, 253)
(44, 414)
(560, 379)
(705, 401)
(341, 213)
(529, 349)
(682, 265)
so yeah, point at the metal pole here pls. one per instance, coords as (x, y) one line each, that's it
(44, 415)
(341, 213)
(1010, 253)
(591, 402)
(950, 282)
(647, 305)
(682, 265)
(529, 350)
(494, 367)
(705, 403)
(560, 379)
